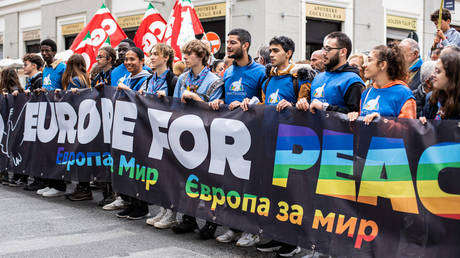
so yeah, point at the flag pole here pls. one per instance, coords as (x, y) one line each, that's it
(440, 14)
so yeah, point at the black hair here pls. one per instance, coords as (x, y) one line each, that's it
(285, 42)
(215, 64)
(129, 41)
(243, 35)
(343, 41)
(138, 52)
(50, 43)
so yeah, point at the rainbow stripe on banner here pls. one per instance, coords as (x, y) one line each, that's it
(297, 147)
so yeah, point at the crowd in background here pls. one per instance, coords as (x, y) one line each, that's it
(388, 81)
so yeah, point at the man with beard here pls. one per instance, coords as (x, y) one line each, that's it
(339, 87)
(242, 80)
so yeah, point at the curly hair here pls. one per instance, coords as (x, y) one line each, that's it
(199, 48)
(451, 94)
(165, 51)
(394, 57)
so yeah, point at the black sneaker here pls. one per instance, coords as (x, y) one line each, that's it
(5, 180)
(208, 230)
(81, 194)
(185, 226)
(138, 214)
(36, 185)
(271, 246)
(106, 200)
(17, 183)
(125, 212)
(288, 250)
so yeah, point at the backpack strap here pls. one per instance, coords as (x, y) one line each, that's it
(171, 80)
(266, 84)
(295, 86)
(212, 88)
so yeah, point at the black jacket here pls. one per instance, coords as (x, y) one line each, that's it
(420, 99)
(35, 82)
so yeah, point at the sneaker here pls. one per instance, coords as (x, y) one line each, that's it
(271, 246)
(35, 186)
(228, 237)
(248, 239)
(17, 183)
(152, 221)
(208, 230)
(107, 200)
(138, 214)
(288, 250)
(167, 220)
(185, 226)
(124, 213)
(118, 204)
(43, 190)
(81, 194)
(53, 193)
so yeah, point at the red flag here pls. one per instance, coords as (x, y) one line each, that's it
(101, 27)
(151, 30)
(183, 25)
(87, 51)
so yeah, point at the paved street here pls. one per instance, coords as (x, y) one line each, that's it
(32, 226)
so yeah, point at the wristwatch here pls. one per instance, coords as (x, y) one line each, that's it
(325, 105)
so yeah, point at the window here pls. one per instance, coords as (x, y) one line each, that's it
(33, 46)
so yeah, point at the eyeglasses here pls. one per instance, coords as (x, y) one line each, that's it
(329, 49)
(100, 57)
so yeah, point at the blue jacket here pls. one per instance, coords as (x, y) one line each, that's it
(209, 80)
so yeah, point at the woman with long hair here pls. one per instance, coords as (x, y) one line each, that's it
(75, 75)
(444, 102)
(9, 81)
(389, 95)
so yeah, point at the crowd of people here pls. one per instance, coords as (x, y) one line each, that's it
(389, 81)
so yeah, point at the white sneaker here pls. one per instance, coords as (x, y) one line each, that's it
(41, 191)
(168, 219)
(228, 236)
(118, 204)
(53, 193)
(152, 221)
(247, 240)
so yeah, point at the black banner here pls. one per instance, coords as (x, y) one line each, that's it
(385, 190)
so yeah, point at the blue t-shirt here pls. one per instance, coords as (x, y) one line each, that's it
(157, 83)
(202, 89)
(279, 88)
(120, 73)
(243, 81)
(386, 101)
(330, 87)
(52, 78)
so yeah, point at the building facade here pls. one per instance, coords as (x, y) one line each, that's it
(23, 23)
